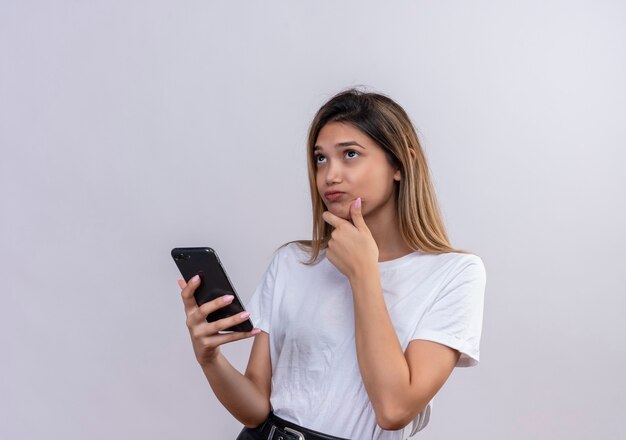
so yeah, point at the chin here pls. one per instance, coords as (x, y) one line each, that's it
(342, 211)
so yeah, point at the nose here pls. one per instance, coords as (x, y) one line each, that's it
(333, 173)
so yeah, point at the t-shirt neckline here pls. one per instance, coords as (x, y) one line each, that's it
(397, 261)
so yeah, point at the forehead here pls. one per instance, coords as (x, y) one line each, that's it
(335, 133)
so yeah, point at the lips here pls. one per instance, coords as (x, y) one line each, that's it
(333, 195)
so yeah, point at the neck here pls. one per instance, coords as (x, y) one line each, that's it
(385, 228)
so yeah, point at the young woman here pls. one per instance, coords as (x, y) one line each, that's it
(358, 328)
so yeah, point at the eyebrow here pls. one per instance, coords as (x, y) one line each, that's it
(341, 145)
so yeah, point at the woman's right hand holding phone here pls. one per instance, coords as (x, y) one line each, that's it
(204, 335)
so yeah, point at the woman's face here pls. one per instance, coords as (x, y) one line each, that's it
(349, 161)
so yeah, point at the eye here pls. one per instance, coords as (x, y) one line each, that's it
(318, 156)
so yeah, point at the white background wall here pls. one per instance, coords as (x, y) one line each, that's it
(129, 128)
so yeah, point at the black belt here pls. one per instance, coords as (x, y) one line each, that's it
(275, 428)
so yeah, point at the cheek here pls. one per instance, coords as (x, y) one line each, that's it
(379, 180)
(318, 182)
(317, 185)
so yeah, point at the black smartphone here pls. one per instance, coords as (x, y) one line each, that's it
(214, 282)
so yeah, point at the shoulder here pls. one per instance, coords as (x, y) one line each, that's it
(296, 251)
(288, 255)
(460, 262)
(288, 250)
(467, 277)
(465, 260)
(458, 267)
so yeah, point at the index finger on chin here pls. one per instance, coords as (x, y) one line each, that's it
(329, 218)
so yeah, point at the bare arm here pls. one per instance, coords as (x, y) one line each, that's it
(245, 396)
(398, 384)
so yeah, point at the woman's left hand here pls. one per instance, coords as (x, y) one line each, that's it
(352, 247)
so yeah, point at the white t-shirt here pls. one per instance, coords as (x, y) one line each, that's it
(309, 316)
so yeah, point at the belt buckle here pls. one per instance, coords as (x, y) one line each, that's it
(296, 433)
(289, 430)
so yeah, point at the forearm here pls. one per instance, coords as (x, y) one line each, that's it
(382, 363)
(239, 395)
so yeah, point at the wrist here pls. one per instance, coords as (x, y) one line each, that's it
(365, 274)
(208, 362)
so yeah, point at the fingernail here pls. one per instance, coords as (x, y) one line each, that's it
(244, 315)
(195, 279)
(358, 203)
(227, 298)
(255, 331)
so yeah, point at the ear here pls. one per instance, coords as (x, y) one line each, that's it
(398, 175)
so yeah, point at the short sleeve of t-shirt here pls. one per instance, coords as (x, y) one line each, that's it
(456, 315)
(260, 304)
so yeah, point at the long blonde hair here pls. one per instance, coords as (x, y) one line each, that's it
(386, 122)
